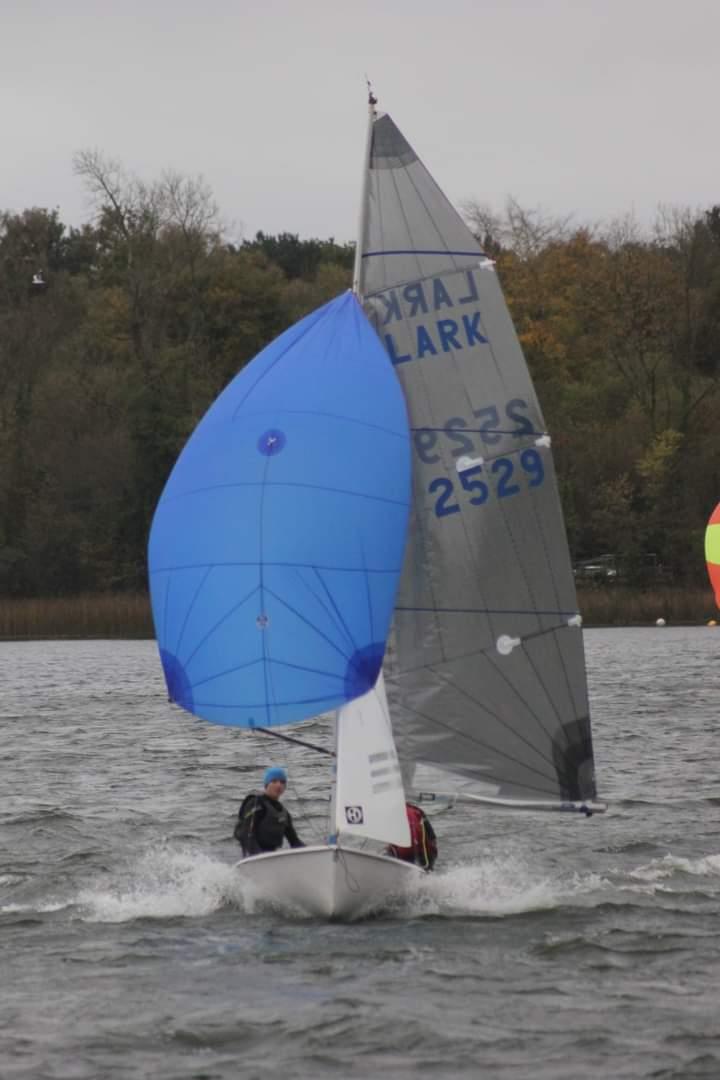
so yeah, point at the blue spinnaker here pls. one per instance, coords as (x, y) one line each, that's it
(277, 544)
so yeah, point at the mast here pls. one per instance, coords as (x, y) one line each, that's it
(362, 217)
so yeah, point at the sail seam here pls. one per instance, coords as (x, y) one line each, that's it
(286, 483)
(335, 416)
(485, 746)
(503, 723)
(191, 607)
(236, 607)
(321, 313)
(289, 565)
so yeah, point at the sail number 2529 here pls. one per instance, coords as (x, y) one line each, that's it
(502, 476)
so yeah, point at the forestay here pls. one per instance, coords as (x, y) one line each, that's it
(485, 673)
(277, 544)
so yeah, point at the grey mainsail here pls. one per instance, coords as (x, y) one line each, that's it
(485, 669)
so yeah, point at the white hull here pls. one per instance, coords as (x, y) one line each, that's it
(328, 881)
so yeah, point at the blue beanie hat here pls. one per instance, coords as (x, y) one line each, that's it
(275, 773)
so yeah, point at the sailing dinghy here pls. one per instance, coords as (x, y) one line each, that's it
(296, 535)
(274, 557)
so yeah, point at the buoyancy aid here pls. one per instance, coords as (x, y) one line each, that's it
(264, 818)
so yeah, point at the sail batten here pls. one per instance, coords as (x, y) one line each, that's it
(485, 668)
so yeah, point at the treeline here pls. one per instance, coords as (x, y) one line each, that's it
(116, 336)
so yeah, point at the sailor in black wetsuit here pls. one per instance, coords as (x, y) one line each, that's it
(263, 822)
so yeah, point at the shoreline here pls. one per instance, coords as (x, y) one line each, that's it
(126, 616)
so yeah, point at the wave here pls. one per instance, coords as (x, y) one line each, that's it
(670, 865)
(497, 887)
(169, 883)
(165, 883)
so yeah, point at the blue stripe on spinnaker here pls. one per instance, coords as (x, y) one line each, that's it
(276, 547)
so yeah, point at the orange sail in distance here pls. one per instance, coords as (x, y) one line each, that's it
(712, 551)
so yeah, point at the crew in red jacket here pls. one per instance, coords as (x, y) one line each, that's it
(423, 850)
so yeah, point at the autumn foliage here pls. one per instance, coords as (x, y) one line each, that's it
(116, 336)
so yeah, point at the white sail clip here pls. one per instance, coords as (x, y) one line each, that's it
(575, 620)
(487, 264)
(545, 442)
(505, 644)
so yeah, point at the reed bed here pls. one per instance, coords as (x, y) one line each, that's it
(105, 615)
(619, 605)
(127, 615)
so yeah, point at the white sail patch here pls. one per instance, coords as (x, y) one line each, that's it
(465, 463)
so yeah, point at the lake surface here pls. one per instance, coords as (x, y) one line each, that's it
(547, 947)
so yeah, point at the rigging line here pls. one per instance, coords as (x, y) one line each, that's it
(484, 746)
(297, 742)
(500, 720)
(318, 831)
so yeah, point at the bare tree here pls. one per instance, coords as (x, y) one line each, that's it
(524, 231)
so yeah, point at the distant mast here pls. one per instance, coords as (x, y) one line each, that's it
(362, 217)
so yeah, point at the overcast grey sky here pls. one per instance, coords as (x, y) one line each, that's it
(583, 106)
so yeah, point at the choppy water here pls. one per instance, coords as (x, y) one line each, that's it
(547, 948)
